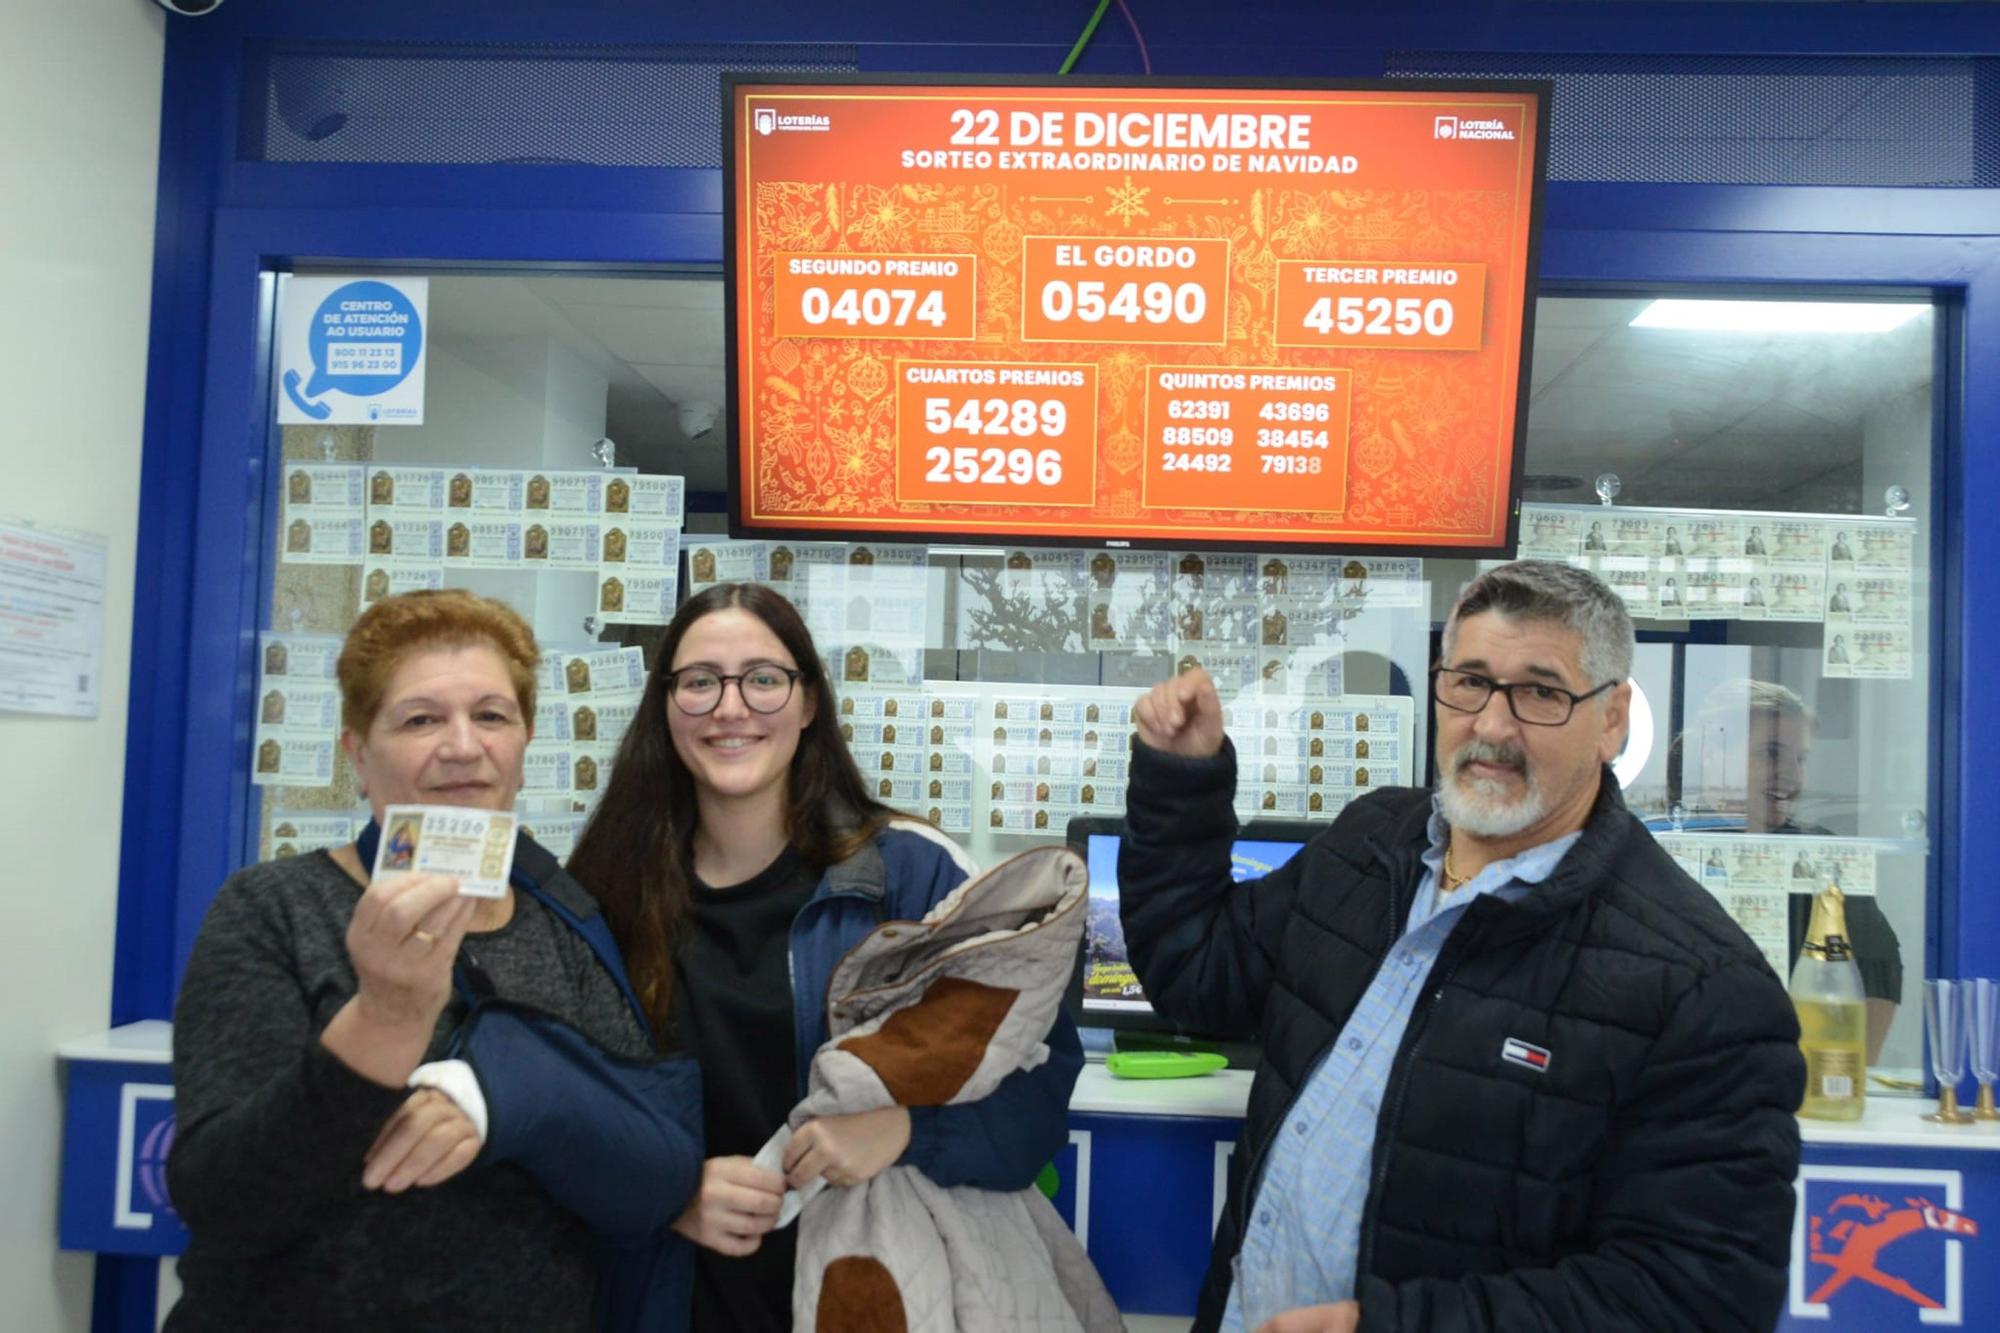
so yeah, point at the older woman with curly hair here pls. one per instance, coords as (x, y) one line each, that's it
(402, 1107)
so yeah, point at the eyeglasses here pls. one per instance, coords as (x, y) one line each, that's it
(697, 690)
(1530, 701)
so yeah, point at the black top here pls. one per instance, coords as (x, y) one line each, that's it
(733, 1013)
(273, 1128)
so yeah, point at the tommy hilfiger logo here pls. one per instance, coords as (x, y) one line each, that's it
(1515, 1051)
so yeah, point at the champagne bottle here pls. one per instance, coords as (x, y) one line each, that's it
(1833, 1014)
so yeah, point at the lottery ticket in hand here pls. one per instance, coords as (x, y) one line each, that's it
(476, 846)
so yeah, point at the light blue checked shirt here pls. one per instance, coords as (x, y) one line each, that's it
(1302, 1237)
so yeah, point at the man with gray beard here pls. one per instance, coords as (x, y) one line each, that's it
(1519, 1070)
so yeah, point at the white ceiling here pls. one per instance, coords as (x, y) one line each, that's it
(1707, 419)
(1755, 421)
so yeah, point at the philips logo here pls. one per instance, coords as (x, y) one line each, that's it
(768, 121)
(1460, 127)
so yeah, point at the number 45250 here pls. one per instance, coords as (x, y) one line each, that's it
(1379, 315)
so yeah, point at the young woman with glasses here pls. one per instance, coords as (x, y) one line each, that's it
(738, 855)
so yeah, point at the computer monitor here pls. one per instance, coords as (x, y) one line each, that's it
(1104, 993)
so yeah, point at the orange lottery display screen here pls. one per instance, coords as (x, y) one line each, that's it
(1131, 313)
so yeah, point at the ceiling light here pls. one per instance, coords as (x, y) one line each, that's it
(1778, 316)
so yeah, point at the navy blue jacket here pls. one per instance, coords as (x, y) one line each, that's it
(616, 1142)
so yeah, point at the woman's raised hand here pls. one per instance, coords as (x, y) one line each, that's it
(401, 941)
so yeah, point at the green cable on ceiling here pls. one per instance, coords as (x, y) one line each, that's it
(1084, 40)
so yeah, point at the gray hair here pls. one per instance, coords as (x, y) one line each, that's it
(1744, 697)
(1550, 590)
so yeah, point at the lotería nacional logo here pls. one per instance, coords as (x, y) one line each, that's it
(770, 121)
(151, 1164)
(1468, 128)
(1880, 1245)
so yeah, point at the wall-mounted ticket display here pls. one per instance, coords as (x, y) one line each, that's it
(1856, 575)
(1171, 315)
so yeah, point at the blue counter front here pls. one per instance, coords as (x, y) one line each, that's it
(118, 1123)
(1891, 1231)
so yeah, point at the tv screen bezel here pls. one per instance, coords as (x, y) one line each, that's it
(739, 529)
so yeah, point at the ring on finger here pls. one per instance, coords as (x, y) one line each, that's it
(429, 940)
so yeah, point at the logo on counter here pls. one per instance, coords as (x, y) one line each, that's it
(152, 1165)
(145, 1137)
(1876, 1241)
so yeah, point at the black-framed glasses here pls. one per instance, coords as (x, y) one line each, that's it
(765, 688)
(1530, 701)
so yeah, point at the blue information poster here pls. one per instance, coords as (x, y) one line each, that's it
(351, 351)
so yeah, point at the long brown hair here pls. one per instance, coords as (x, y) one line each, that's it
(636, 854)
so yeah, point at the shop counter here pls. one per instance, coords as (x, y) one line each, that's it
(1895, 1221)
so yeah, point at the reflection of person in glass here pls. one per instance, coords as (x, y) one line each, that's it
(1742, 765)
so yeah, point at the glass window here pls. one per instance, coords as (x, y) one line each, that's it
(1770, 530)
(1784, 614)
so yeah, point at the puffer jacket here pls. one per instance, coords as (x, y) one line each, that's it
(1641, 1180)
(1000, 1142)
(935, 1013)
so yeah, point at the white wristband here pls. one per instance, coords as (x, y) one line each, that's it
(455, 1079)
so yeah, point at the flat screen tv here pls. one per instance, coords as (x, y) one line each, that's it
(1085, 312)
(1104, 991)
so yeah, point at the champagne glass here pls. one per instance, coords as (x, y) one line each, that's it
(1985, 1025)
(1945, 1003)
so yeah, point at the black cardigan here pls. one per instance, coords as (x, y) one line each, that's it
(1643, 1180)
